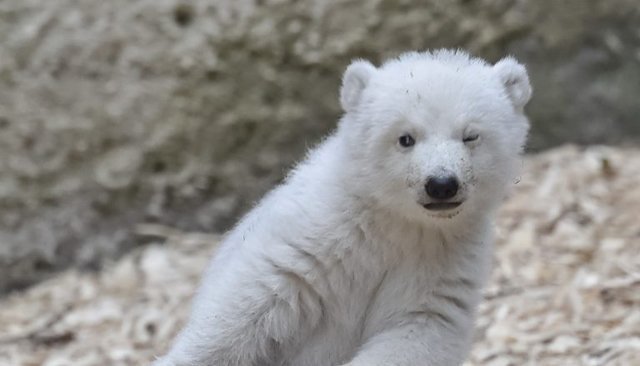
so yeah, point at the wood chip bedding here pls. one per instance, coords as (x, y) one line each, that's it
(565, 288)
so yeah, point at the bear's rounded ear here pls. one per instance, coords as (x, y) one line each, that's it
(515, 80)
(354, 81)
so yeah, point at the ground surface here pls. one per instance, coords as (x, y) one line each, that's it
(565, 288)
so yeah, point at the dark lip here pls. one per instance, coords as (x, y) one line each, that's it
(441, 206)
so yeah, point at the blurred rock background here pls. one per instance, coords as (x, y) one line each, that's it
(182, 113)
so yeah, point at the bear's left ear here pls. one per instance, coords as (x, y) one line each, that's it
(515, 80)
(354, 82)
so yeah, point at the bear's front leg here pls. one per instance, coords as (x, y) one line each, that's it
(436, 342)
(247, 316)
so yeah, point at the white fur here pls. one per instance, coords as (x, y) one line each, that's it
(342, 265)
(515, 79)
(354, 81)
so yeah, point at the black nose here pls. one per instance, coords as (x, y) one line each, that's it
(442, 188)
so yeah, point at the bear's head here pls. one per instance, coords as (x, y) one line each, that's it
(435, 134)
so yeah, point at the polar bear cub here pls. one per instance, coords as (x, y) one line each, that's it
(374, 250)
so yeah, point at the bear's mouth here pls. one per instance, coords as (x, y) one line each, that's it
(441, 206)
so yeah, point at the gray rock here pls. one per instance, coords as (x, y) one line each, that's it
(114, 113)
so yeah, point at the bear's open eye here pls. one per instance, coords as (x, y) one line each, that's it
(471, 137)
(406, 140)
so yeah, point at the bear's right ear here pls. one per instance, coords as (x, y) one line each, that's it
(354, 81)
